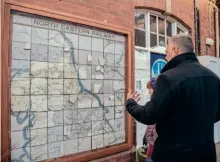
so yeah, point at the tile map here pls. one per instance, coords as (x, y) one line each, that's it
(67, 88)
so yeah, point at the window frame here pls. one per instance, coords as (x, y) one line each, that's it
(5, 87)
(158, 15)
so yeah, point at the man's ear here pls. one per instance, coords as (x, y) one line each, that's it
(176, 50)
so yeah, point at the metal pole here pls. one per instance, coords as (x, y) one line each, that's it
(217, 31)
(195, 26)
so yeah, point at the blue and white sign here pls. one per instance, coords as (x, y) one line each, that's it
(157, 63)
(157, 67)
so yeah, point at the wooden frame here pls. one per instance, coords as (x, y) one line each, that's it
(5, 65)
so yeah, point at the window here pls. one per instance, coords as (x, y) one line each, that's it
(179, 31)
(140, 38)
(140, 34)
(138, 85)
(140, 21)
(152, 30)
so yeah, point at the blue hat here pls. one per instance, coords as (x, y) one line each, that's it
(152, 83)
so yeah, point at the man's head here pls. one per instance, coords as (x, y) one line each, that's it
(178, 44)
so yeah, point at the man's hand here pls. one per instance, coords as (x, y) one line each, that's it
(134, 95)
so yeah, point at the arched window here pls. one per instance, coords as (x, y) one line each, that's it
(153, 28)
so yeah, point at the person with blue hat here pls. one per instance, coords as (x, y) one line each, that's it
(151, 85)
(151, 134)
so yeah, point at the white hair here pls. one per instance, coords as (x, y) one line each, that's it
(183, 42)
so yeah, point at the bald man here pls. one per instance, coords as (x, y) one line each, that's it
(185, 105)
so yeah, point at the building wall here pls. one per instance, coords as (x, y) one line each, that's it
(121, 13)
(114, 12)
(183, 11)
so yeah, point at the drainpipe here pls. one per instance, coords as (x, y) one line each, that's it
(209, 27)
(209, 20)
(198, 32)
(216, 30)
(195, 24)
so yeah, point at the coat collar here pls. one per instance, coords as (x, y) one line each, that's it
(178, 60)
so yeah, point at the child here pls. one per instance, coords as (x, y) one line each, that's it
(151, 134)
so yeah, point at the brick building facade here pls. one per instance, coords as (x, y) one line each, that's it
(117, 16)
(121, 13)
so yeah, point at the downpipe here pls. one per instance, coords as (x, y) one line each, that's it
(216, 10)
(195, 26)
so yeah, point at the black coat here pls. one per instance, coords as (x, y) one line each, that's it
(185, 105)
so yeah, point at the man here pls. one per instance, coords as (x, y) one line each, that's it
(185, 105)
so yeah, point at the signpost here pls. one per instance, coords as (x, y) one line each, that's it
(157, 62)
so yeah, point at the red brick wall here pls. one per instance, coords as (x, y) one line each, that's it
(156, 4)
(116, 12)
(203, 6)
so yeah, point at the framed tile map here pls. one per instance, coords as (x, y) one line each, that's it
(67, 88)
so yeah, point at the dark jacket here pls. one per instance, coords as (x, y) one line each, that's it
(185, 105)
